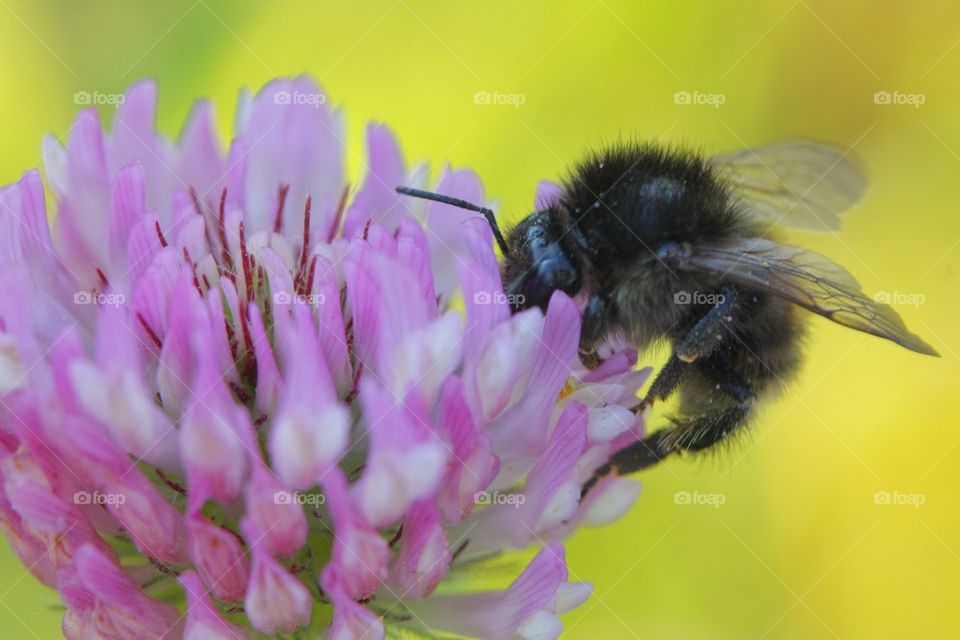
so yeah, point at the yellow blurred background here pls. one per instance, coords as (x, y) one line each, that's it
(801, 546)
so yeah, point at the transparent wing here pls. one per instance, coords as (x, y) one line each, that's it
(797, 183)
(804, 278)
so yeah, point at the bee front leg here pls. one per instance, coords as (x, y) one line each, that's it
(595, 326)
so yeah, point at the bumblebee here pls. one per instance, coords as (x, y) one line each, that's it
(662, 244)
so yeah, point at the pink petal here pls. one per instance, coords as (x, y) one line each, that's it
(153, 523)
(276, 601)
(199, 158)
(350, 620)
(269, 380)
(134, 138)
(214, 439)
(59, 526)
(406, 460)
(360, 554)
(204, 622)
(609, 501)
(550, 496)
(272, 517)
(445, 226)
(29, 549)
(176, 356)
(292, 138)
(473, 464)
(377, 200)
(616, 365)
(311, 428)
(219, 558)
(83, 190)
(485, 304)
(413, 250)
(143, 246)
(128, 205)
(123, 609)
(561, 336)
(424, 557)
(33, 230)
(548, 193)
(493, 374)
(331, 330)
(525, 609)
(114, 392)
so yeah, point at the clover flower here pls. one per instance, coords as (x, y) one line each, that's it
(237, 400)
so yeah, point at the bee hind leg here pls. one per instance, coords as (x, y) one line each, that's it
(687, 433)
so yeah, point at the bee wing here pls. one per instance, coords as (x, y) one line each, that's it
(798, 183)
(804, 278)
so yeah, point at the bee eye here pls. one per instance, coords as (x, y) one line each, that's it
(536, 239)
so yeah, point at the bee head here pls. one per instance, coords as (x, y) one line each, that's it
(536, 263)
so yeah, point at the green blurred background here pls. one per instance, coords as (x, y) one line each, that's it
(799, 548)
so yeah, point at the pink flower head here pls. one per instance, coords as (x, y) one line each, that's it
(223, 376)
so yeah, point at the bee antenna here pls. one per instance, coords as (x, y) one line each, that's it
(463, 204)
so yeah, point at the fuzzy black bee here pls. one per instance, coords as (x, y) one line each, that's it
(671, 245)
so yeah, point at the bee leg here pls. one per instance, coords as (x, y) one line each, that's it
(668, 379)
(700, 342)
(595, 326)
(694, 433)
(590, 358)
(639, 455)
(710, 330)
